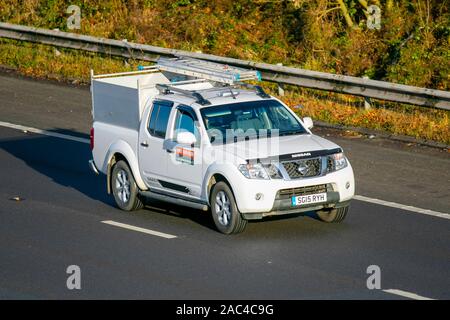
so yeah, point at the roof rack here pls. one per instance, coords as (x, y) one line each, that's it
(167, 89)
(259, 90)
(207, 70)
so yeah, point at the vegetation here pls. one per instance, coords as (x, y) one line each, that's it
(412, 45)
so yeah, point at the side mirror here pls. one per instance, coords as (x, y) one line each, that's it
(307, 121)
(186, 138)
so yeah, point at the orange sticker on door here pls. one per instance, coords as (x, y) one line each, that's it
(185, 155)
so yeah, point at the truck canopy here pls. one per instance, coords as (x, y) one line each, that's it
(120, 100)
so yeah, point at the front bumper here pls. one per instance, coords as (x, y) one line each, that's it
(283, 204)
(340, 188)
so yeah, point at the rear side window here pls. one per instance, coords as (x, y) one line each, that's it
(159, 118)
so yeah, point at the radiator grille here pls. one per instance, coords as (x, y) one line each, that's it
(300, 191)
(303, 168)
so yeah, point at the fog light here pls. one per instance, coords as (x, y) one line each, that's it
(347, 185)
(258, 196)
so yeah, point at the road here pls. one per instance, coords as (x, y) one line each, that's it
(58, 222)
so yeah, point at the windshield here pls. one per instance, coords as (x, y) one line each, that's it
(249, 119)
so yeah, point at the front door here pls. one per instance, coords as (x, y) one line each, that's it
(184, 166)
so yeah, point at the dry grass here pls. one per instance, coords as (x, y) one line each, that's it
(411, 48)
(428, 124)
(43, 61)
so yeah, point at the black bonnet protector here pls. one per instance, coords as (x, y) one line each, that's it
(295, 156)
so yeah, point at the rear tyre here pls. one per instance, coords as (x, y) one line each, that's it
(224, 210)
(125, 190)
(334, 215)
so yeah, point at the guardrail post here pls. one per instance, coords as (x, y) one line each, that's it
(367, 105)
(280, 85)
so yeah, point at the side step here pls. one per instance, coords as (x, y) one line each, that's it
(174, 200)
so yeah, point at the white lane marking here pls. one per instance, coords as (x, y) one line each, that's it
(43, 132)
(406, 294)
(403, 207)
(357, 197)
(138, 229)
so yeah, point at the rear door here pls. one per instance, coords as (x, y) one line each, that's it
(152, 136)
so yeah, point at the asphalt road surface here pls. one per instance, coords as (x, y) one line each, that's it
(58, 220)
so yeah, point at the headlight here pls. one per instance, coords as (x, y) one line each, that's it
(260, 171)
(336, 162)
(273, 171)
(253, 171)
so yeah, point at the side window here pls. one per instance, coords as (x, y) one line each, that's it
(185, 122)
(152, 122)
(159, 119)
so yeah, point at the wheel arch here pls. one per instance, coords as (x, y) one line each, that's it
(122, 151)
(214, 179)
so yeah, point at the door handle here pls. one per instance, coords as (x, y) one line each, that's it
(144, 144)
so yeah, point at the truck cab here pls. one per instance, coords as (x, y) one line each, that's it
(214, 143)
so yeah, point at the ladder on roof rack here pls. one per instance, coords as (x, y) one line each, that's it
(207, 70)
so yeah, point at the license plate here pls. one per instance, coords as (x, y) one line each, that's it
(309, 199)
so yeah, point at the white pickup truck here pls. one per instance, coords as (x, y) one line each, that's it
(214, 143)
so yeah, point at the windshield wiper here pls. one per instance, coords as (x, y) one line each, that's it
(291, 132)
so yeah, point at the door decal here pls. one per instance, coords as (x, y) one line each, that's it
(185, 155)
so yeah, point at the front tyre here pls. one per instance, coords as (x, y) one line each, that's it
(224, 210)
(334, 215)
(125, 190)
